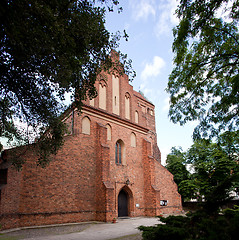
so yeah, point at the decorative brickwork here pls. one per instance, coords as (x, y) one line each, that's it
(83, 181)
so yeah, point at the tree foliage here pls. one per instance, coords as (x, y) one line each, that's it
(175, 163)
(216, 173)
(48, 49)
(214, 170)
(204, 84)
(198, 225)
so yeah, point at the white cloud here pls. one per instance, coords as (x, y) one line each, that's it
(152, 69)
(166, 104)
(164, 152)
(142, 9)
(126, 27)
(167, 18)
(148, 92)
(224, 11)
(193, 124)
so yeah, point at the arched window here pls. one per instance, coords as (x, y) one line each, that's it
(115, 95)
(133, 140)
(136, 117)
(102, 94)
(86, 125)
(119, 152)
(127, 106)
(108, 132)
(92, 102)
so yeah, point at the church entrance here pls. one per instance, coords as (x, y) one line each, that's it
(122, 204)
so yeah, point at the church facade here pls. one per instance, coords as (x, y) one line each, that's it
(109, 166)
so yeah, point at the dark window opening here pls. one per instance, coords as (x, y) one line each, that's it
(163, 202)
(3, 176)
(118, 153)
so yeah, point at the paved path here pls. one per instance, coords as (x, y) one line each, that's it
(103, 231)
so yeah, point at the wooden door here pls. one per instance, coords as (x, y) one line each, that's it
(122, 204)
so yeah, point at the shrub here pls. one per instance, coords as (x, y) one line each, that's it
(198, 225)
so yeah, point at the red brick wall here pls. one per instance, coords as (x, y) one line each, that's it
(83, 181)
(10, 198)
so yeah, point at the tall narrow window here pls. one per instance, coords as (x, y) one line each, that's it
(133, 140)
(127, 106)
(119, 152)
(108, 132)
(92, 102)
(136, 117)
(115, 95)
(86, 125)
(102, 94)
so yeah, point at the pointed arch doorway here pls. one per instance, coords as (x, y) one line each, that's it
(123, 199)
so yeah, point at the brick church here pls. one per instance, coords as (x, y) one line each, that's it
(109, 166)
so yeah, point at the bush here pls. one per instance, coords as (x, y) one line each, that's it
(198, 225)
(173, 228)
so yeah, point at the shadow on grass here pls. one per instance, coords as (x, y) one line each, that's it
(3, 237)
(136, 236)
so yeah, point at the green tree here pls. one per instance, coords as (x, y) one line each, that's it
(198, 225)
(48, 49)
(204, 84)
(216, 173)
(175, 163)
(188, 189)
(214, 170)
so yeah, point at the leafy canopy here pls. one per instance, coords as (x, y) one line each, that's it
(204, 84)
(198, 225)
(48, 49)
(175, 163)
(214, 170)
(216, 173)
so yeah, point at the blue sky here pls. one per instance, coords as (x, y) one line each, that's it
(149, 24)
